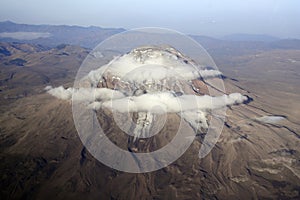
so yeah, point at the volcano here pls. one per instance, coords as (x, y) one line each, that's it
(141, 88)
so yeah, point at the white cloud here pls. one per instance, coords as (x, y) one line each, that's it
(48, 87)
(167, 102)
(270, 119)
(25, 35)
(197, 119)
(210, 73)
(150, 66)
(84, 94)
(60, 92)
(190, 107)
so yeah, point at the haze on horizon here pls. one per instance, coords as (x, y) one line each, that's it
(207, 17)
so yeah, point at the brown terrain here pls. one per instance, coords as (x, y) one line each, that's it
(42, 156)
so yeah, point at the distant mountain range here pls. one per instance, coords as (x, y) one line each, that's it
(250, 37)
(53, 35)
(89, 37)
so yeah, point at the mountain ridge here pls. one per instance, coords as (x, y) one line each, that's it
(58, 34)
(91, 36)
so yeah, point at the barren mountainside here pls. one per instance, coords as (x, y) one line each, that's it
(256, 157)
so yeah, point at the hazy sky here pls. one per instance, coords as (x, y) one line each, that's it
(205, 17)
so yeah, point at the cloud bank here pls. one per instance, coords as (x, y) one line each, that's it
(148, 64)
(25, 35)
(84, 94)
(167, 102)
(270, 119)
